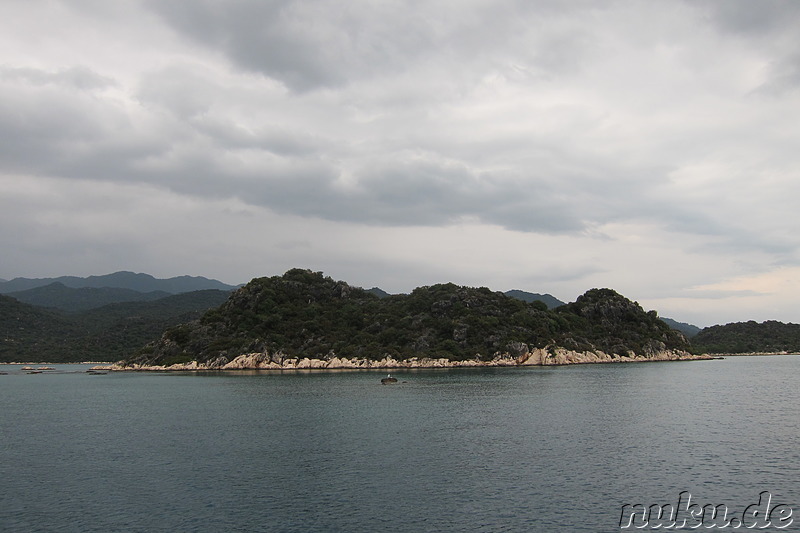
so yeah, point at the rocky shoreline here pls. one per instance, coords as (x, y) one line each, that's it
(536, 357)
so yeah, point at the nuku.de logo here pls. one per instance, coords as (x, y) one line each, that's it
(688, 515)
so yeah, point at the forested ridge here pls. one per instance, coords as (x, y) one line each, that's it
(305, 313)
(748, 337)
(108, 333)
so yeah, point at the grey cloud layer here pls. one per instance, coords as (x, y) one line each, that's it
(313, 44)
(74, 134)
(544, 117)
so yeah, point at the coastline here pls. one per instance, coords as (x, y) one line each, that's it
(755, 354)
(538, 357)
(59, 363)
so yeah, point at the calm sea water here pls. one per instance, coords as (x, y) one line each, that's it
(478, 450)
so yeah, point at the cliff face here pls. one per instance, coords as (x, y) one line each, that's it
(304, 316)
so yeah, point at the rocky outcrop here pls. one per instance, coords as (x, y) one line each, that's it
(535, 357)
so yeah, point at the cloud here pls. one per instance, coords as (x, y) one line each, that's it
(646, 146)
(524, 128)
(306, 45)
(784, 279)
(762, 18)
(178, 140)
(783, 77)
(311, 44)
(761, 296)
(79, 78)
(50, 119)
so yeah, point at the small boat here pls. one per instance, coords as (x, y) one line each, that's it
(35, 372)
(388, 379)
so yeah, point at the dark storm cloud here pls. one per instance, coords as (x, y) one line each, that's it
(69, 136)
(184, 146)
(74, 134)
(524, 115)
(304, 44)
(50, 119)
(409, 193)
(315, 44)
(770, 25)
(429, 192)
(751, 18)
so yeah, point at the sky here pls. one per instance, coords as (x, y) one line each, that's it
(651, 147)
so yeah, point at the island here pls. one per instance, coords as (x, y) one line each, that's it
(306, 320)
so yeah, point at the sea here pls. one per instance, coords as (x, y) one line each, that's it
(474, 450)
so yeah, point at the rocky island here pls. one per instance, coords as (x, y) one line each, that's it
(305, 320)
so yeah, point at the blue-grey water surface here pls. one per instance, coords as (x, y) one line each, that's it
(478, 450)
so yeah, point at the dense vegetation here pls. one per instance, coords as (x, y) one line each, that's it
(748, 337)
(108, 333)
(28, 333)
(303, 313)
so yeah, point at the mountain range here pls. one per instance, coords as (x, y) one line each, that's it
(98, 317)
(143, 283)
(58, 296)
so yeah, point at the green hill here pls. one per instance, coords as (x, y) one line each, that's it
(29, 333)
(748, 337)
(108, 333)
(303, 313)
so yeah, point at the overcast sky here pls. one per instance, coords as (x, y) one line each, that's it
(652, 147)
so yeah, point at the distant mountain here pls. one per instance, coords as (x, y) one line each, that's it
(108, 333)
(59, 296)
(164, 308)
(380, 293)
(116, 331)
(121, 280)
(551, 301)
(748, 337)
(687, 329)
